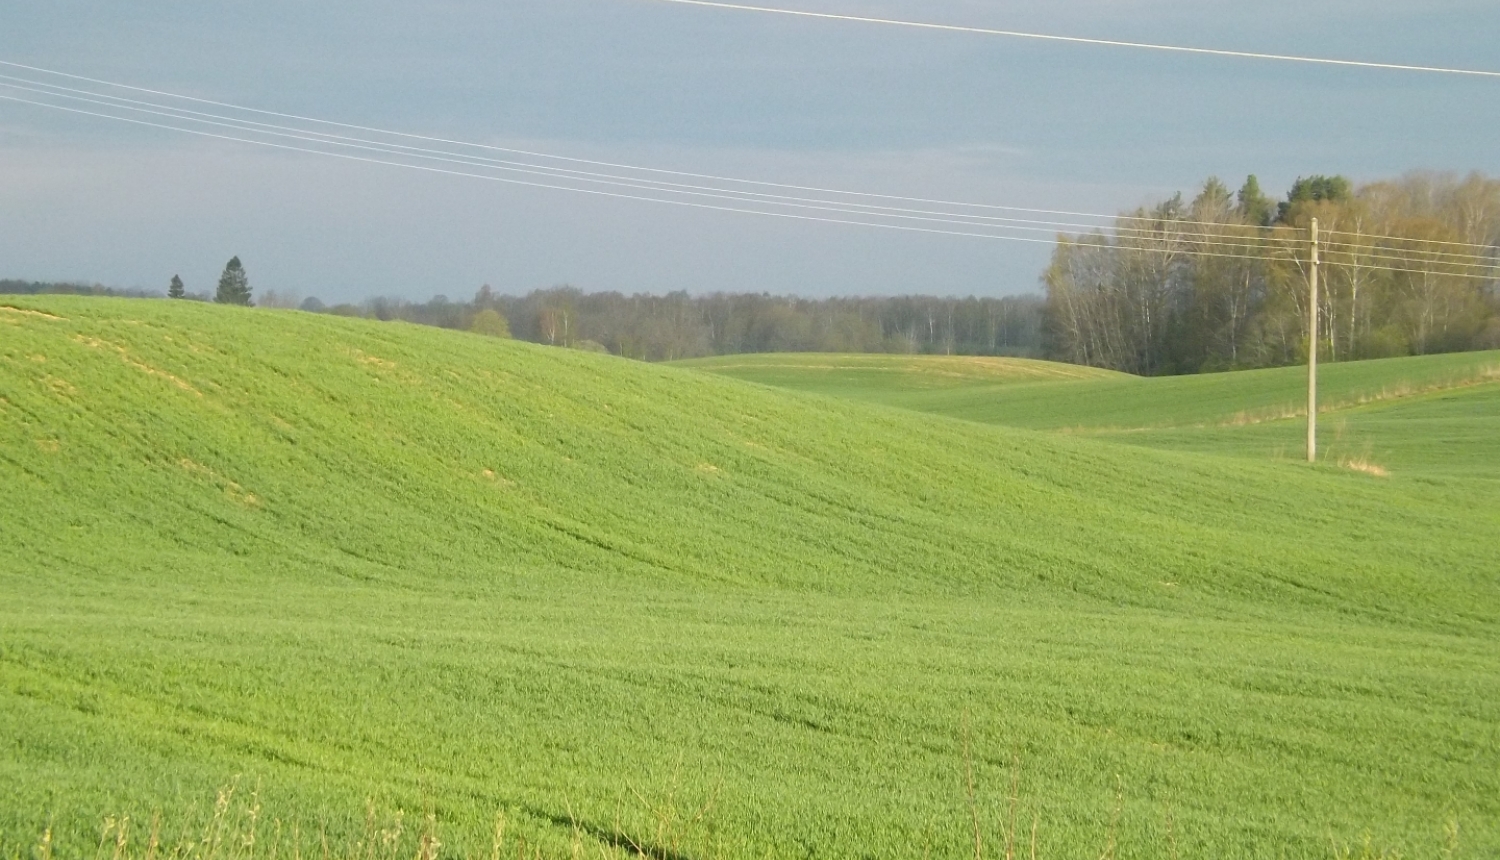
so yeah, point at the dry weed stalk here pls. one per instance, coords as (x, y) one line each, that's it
(672, 828)
(1363, 464)
(276, 840)
(428, 844)
(498, 842)
(247, 844)
(44, 847)
(153, 842)
(213, 832)
(122, 838)
(104, 831)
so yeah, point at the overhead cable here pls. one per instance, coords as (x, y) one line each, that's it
(592, 191)
(1379, 252)
(509, 181)
(1489, 248)
(1167, 228)
(1111, 219)
(1163, 228)
(1080, 40)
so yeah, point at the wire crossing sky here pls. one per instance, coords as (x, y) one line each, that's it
(1170, 237)
(621, 146)
(1079, 40)
(1204, 238)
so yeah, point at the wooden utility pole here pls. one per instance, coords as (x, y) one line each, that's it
(1312, 351)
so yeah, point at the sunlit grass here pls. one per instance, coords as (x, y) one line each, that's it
(463, 576)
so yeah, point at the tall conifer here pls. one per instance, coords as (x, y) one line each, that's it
(234, 285)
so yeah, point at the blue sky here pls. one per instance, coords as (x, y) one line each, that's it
(800, 101)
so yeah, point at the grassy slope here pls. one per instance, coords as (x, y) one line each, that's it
(877, 377)
(353, 559)
(1047, 395)
(1424, 415)
(1446, 435)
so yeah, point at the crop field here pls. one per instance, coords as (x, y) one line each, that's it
(401, 587)
(1023, 393)
(1435, 412)
(890, 378)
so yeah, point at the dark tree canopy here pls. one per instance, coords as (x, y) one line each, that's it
(234, 285)
(1315, 189)
(1255, 207)
(176, 290)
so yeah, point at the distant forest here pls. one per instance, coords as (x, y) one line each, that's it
(1410, 266)
(15, 287)
(679, 325)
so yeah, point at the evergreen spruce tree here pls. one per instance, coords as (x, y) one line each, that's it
(234, 286)
(1314, 189)
(1255, 207)
(175, 291)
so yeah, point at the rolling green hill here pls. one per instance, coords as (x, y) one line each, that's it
(1021, 392)
(348, 560)
(882, 377)
(1369, 410)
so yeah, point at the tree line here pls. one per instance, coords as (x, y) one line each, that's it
(1218, 282)
(681, 325)
(676, 325)
(15, 286)
(233, 289)
(1409, 266)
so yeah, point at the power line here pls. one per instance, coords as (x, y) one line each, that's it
(489, 164)
(1429, 271)
(1168, 227)
(1165, 228)
(1429, 257)
(1079, 40)
(1260, 256)
(551, 156)
(1112, 219)
(1287, 252)
(447, 172)
(595, 191)
(1490, 248)
(1413, 245)
(1172, 243)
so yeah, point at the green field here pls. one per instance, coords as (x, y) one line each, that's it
(1429, 413)
(352, 562)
